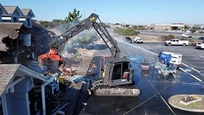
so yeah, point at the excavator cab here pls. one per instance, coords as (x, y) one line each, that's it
(118, 72)
(116, 79)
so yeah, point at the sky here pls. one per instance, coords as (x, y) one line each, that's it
(118, 11)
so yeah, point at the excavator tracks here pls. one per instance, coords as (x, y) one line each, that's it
(105, 90)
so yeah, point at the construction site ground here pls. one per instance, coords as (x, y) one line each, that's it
(76, 91)
(153, 100)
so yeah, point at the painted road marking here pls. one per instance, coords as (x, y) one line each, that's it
(190, 74)
(182, 70)
(185, 64)
(194, 77)
(193, 69)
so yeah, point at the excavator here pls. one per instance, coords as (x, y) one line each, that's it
(117, 73)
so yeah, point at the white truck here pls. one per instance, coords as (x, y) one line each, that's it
(138, 40)
(177, 42)
(199, 45)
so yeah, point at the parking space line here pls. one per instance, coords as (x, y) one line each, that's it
(195, 77)
(185, 64)
(195, 69)
(182, 70)
(190, 74)
(191, 67)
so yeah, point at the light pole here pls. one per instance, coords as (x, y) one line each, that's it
(87, 11)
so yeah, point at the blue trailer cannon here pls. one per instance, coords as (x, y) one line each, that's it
(168, 63)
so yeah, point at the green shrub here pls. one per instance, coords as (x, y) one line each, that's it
(140, 27)
(193, 30)
(126, 31)
(168, 37)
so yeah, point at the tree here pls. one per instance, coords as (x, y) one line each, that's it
(44, 23)
(56, 20)
(34, 21)
(186, 27)
(74, 16)
(47, 24)
(139, 27)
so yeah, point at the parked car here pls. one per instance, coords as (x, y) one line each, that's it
(138, 40)
(201, 38)
(187, 35)
(176, 42)
(199, 45)
(128, 39)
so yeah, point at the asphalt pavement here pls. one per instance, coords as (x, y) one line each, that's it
(155, 89)
(195, 36)
(192, 59)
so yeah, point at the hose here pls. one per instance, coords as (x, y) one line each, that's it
(195, 83)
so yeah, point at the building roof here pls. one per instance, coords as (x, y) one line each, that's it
(27, 11)
(177, 24)
(11, 9)
(10, 29)
(9, 71)
(1, 7)
(6, 74)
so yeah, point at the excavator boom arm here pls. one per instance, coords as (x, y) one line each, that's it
(87, 24)
(112, 83)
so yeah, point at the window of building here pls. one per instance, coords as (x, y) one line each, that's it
(28, 21)
(15, 19)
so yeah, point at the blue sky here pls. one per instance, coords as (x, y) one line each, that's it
(119, 11)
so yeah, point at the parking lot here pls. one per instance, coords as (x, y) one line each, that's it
(193, 59)
(155, 90)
